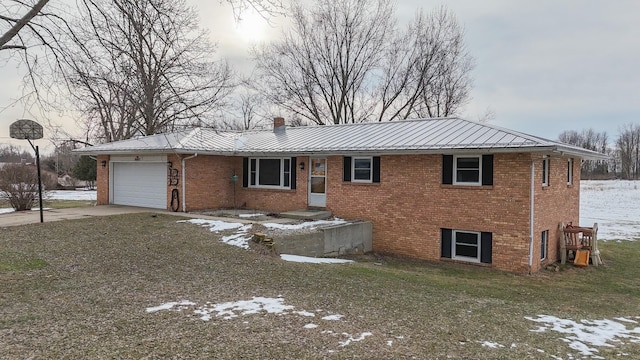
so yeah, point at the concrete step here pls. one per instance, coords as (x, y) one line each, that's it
(307, 214)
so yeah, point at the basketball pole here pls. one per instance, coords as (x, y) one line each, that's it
(37, 150)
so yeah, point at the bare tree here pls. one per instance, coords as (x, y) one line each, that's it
(591, 140)
(16, 16)
(19, 185)
(344, 61)
(628, 147)
(142, 67)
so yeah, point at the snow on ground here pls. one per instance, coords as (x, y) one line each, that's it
(614, 205)
(259, 306)
(304, 225)
(306, 259)
(72, 195)
(586, 336)
(241, 237)
(250, 215)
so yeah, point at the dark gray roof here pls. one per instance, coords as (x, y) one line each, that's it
(440, 135)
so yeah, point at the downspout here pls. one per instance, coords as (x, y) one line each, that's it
(184, 185)
(531, 214)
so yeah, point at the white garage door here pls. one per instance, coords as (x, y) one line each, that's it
(140, 184)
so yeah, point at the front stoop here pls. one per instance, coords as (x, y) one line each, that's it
(307, 214)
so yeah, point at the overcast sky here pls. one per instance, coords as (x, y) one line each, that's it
(541, 66)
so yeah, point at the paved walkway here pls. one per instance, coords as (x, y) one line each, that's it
(33, 217)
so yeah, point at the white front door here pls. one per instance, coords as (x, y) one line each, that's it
(318, 182)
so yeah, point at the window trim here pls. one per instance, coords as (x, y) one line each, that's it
(545, 171)
(254, 181)
(455, 170)
(570, 171)
(544, 245)
(353, 169)
(454, 236)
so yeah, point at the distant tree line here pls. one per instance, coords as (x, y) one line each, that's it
(624, 152)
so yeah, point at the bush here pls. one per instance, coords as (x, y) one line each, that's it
(19, 186)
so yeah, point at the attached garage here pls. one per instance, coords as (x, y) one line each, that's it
(139, 183)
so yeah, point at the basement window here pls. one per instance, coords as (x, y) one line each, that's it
(544, 245)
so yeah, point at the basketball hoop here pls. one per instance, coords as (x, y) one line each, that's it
(25, 129)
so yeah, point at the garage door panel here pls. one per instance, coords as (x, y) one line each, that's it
(140, 184)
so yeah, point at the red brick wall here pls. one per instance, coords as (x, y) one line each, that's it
(275, 200)
(555, 203)
(208, 181)
(102, 180)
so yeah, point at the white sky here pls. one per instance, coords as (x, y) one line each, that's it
(543, 67)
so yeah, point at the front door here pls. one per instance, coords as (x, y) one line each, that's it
(318, 182)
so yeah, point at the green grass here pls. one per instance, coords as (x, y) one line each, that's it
(102, 273)
(14, 261)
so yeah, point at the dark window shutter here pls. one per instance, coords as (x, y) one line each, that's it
(346, 168)
(447, 169)
(245, 172)
(445, 243)
(376, 169)
(486, 247)
(294, 168)
(487, 169)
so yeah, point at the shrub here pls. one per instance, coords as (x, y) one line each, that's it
(19, 186)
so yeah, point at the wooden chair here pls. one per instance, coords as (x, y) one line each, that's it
(570, 241)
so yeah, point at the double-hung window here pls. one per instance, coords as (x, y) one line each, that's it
(467, 170)
(270, 173)
(467, 245)
(545, 171)
(362, 169)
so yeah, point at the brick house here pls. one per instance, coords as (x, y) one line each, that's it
(444, 189)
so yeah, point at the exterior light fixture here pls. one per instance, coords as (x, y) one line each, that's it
(301, 165)
(103, 163)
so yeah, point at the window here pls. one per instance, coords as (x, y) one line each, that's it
(544, 244)
(270, 173)
(362, 167)
(471, 246)
(570, 171)
(466, 245)
(467, 169)
(545, 171)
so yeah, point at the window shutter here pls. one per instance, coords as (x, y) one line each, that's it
(445, 242)
(294, 168)
(487, 169)
(486, 240)
(376, 169)
(447, 169)
(245, 172)
(346, 168)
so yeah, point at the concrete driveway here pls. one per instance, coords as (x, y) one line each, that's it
(33, 217)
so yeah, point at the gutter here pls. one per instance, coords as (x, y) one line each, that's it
(184, 186)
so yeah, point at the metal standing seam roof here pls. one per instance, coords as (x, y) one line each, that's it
(437, 135)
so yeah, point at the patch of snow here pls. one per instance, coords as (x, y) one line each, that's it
(389, 342)
(310, 326)
(304, 225)
(306, 259)
(585, 336)
(6, 210)
(352, 339)
(613, 205)
(305, 313)
(72, 195)
(170, 305)
(333, 317)
(214, 225)
(491, 345)
(256, 305)
(250, 215)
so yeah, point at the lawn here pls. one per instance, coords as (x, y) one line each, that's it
(139, 286)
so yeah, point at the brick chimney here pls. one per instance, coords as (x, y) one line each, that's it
(278, 124)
